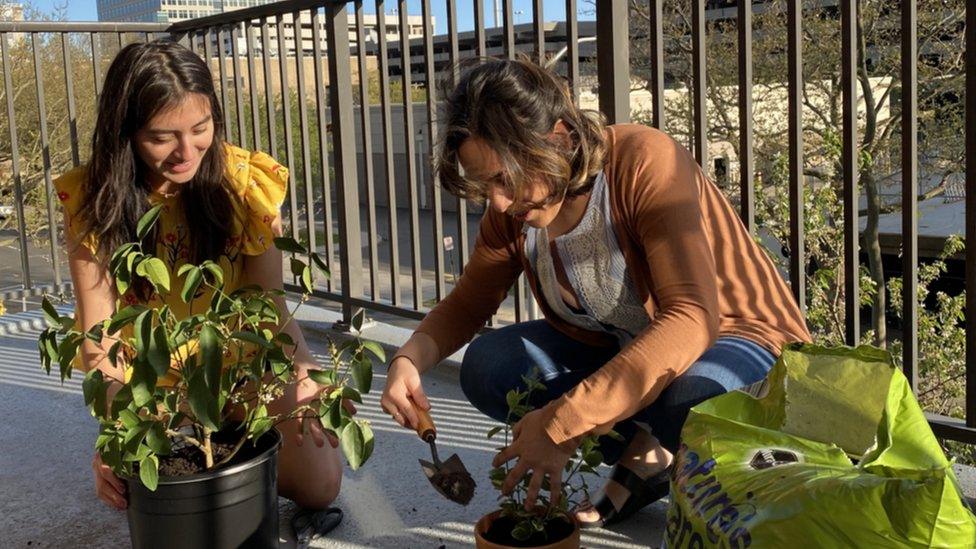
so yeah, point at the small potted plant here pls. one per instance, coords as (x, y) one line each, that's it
(549, 525)
(196, 478)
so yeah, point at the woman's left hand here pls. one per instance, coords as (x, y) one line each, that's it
(535, 452)
(308, 391)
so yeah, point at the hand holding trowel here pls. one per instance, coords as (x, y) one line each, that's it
(449, 477)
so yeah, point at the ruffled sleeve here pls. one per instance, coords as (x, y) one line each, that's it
(260, 183)
(69, 189)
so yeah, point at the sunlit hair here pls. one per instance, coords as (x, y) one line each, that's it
(146, 79)
(513, 105)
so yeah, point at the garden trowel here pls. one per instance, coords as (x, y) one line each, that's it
(449, 477)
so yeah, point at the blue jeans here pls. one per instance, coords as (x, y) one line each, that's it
(496, 361)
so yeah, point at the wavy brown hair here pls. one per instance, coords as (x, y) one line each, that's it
(513, 105)
(143, 80)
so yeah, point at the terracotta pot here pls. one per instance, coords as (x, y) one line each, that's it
(571, 541)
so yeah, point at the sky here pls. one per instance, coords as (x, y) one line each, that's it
(555, 10)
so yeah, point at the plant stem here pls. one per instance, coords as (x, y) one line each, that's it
(207, 448)
(185, 438)
(237, 448)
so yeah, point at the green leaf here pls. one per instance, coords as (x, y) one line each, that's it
(124, 317)
(357, 320)
(67, 351)
(122, 280)
(353, 441)
(155, 270)
(306, 279)
(288, 244)
(297, 266)
(143, 383)
(212, 356)
(113, 353)
(119, 256)
(191, 284)
(202, 402)
(147, 221)
(157, 440)
(216, 273)
(320, 264)
(349, 393)
(122, 400)
(284, 339)
(129, 418)
(158, 353)
(186, 267)
(96, 332)
(494, 431)
(149, 472)
(47, 346)
(142, 333)
(51, 315)
(251, 337)
(362, 374)
(376, 349)
(93, 387)
(323, 377)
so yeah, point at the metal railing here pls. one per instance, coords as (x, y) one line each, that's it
(364, 190)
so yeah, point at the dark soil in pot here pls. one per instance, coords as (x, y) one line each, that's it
(500, 532)
(234, 506)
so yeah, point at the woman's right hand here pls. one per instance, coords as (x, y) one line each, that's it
(403, 386)
(108, 487)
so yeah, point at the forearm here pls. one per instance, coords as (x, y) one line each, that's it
(421, 350)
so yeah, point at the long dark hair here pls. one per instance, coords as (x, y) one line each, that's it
(143, 80)
(512, 105)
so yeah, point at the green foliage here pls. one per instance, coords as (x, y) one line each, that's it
(242, 358)
(550, 505)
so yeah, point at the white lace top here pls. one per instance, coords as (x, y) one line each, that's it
(595, 268)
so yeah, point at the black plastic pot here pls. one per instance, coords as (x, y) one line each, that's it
(235, 506)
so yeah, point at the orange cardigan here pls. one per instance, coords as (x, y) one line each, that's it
(696, 267)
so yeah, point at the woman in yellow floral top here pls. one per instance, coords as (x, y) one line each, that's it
(159, 139)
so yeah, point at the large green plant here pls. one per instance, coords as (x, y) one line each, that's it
(232, 354)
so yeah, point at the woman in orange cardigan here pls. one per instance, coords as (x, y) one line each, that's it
(655, 295)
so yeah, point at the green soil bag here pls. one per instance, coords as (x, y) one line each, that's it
(831, 450)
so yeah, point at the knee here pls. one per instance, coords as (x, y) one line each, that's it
(479, 369)
(308, 493)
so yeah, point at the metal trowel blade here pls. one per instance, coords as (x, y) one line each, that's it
(451, 480)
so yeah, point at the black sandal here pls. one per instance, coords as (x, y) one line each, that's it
(643, 492)
(310, 525)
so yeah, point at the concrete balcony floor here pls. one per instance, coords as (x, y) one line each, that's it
(46, 446)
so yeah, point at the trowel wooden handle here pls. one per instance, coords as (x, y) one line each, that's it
(425, 424)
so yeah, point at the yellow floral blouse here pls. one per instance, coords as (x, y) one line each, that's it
(259, 183)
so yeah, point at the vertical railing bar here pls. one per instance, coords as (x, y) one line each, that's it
(344, 138)
(909, 189)
(747, 198)
(238, 95)
(15, 163)
(222, 71)
(572, 49)
(462, 205)
(46, 155)
(253, 85)
(798, 276)
(286, 112)
(849, 157)
(303, 127)
(698, 81)
(613, 59)
(479, 27)
(432, 137)
(118, 42)
(69, 88)
(384, 75)
(656, 13)
(269, 89)
(368, 178)
(971, 216)
(96, 50)
(410, 144)
(321, 103)
(539, 28)
(508, 28)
